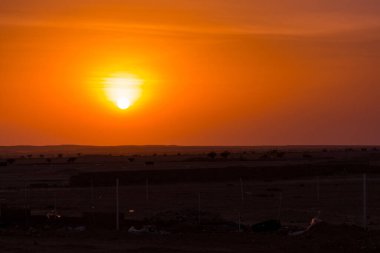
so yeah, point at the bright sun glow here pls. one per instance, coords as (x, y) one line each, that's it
(123, 89)
(123, 103)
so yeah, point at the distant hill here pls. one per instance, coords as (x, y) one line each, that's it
(114, 150)
(146, 149)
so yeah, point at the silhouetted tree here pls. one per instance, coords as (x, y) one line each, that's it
(11, 160)
(307, 156)
(212, 155)
(243, 157)
(131, 159)
(48, 160)
(30, 156)
(60, 155)
(71, 159)
(225, 154)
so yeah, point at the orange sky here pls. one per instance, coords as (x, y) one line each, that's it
(233, 72)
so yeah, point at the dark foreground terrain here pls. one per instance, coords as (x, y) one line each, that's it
(323, 238)
(197, 199)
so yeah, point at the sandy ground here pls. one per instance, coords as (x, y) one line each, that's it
(325, 238)
(336, 199)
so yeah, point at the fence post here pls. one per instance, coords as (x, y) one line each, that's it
(92, 194)
(199, 208)
(92, 204)
(242, 191)
(318, 190)
(279, 207)
(147, 189)
(55, 200)
(25, 204)
(117, 205)
(365, 201)
(318, 196)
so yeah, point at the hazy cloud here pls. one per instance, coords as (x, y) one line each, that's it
(297, 17)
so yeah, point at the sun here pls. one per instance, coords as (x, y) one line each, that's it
(123, 89)
(123, 103)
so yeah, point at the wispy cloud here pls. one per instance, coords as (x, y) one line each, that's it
(272, 17)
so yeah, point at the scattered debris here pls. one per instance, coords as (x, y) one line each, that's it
(53, 215)
(314, 221)
(188, 220)
(80, 228)
(147, 229)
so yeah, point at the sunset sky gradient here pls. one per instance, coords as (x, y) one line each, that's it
(232, 72)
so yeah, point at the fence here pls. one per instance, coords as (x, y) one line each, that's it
(351, 199)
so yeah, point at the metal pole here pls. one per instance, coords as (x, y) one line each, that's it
(365, 201)
(92, 195)
(279, 207)
(92, 207)
(318, 190)
(147, 190)
(25, 196)
(242, 191)
(318, 196)
(55, 200)
(239, 222)
(117, 205)
(25, 204)
(199, 208)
